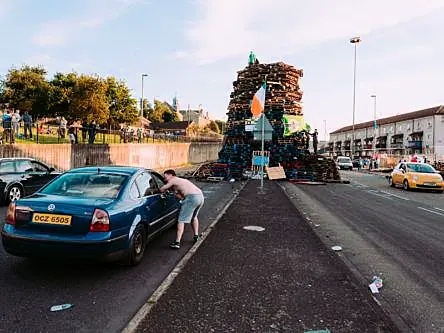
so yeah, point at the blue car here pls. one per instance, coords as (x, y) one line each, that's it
(105, 213)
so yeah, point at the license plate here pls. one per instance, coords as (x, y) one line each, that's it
(429, 184)
(51, 219)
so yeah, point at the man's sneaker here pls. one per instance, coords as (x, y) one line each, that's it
(196, 238)
(175, 245)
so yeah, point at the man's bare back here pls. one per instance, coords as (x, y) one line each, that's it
(182, 186)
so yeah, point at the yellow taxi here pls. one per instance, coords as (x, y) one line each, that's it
(412, 175)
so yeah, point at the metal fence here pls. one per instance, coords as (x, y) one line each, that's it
(50, 134)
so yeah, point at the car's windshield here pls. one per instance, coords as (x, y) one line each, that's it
(86, 185)
(344, 160)
(422, 168)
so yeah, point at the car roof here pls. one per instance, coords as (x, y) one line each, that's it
(110, 169)
(16, 159)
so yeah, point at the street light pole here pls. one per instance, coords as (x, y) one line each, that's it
(141, 102)
(325, 130)
(355, 41)
(374, 125)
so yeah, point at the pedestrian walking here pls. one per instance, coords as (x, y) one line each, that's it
(62, 128)
(192, 201)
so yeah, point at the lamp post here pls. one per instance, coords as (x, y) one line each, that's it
(374, 125)
(141, 102)
(355, 41)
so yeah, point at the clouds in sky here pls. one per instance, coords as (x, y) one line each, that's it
(95, 14)
(229, 28)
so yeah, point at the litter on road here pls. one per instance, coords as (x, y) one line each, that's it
(254, 228)
(376, 284)
(336, 248)
(61, 307)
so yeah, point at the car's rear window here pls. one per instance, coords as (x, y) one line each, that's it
(344, 160)
(86, 185)
(422, 168)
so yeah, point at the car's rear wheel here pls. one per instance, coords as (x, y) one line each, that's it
(15, 192)
(405, 185)
(137, 246)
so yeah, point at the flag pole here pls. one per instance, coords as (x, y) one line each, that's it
(263, 139)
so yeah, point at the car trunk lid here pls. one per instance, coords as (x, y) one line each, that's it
(55, 214)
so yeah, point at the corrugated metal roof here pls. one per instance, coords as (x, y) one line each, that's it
(395, 119)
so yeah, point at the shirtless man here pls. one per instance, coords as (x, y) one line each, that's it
(193, 201)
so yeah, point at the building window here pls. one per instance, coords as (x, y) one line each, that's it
(391, 129)
(429, 124)
(400, 128)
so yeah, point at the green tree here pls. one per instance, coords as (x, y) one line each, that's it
(222, 125)
(122, 107)
(89, 100)
(61, 94)
(27, 89)
(147, 108)
(214, 127)
(162, 113)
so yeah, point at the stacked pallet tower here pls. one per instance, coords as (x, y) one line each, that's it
(283, 97)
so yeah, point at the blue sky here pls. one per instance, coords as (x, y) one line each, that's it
(195, 48)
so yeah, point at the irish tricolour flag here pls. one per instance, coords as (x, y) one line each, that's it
(258, 104)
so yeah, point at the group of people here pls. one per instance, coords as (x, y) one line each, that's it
(11, 122)
(88, 131)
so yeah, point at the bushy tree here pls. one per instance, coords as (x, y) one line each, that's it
(122, 107)
(89, 100)
(27, 89)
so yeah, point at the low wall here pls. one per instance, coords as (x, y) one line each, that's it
(154, 156)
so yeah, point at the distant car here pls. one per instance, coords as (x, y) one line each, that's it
(105, 213)
(344, 163)
(413, 175)
(20, 177)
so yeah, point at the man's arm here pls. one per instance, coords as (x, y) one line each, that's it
(167, 186)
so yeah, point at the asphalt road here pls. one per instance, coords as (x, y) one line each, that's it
(105, 296)
(382, 230)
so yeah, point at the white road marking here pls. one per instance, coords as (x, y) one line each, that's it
(431, 211)
(396, 196)
(379, 195)
(442, 210)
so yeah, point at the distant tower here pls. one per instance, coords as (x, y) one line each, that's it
(176, 107)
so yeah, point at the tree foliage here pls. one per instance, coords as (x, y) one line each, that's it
(222, 125)
(162, 113)
(27, 89)
(122, 107)
(214, 127)
(73, 96)
(89, 101)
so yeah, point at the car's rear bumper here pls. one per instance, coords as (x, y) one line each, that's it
(105, 250)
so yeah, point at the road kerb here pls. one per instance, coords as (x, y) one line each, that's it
(134, 323)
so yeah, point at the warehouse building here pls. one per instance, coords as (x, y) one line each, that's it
(414, 133)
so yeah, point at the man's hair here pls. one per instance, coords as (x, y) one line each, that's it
(170, 172)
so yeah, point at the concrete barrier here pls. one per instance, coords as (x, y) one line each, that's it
(154, 156)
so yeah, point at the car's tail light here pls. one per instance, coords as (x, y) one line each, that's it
(10, 215)
(100, 221)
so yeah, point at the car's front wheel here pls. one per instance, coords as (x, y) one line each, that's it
(391, 183)
(15, 192)
(405, 185)
(137, 246)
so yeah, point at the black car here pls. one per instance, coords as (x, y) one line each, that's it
(20, 177)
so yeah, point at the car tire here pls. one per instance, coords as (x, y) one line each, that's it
(391, 183)
(14, 193)
(137, 246)
(405, 185)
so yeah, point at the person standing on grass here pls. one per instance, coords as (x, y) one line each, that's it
(27, 124)
(192, 201)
